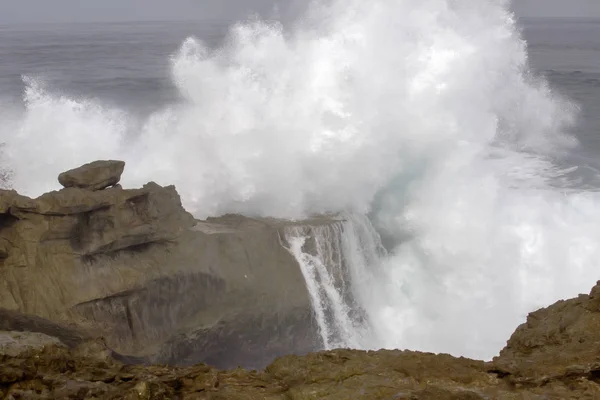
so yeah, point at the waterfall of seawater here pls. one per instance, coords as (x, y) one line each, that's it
(338, 260)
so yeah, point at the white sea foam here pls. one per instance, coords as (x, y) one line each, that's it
(422, 114)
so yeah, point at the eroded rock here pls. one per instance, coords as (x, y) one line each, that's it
(14, 344)
(561, 340)
(132, 266)
(96, 175)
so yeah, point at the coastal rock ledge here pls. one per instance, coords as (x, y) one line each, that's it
(131, 266)
(95, 283)
(554, 355)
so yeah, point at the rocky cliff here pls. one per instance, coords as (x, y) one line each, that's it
(132, 266)
(554, 355)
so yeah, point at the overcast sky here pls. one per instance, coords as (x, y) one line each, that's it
(33, 11)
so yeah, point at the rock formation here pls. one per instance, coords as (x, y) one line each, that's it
(96, 175)
(133, 267)
(554, 355)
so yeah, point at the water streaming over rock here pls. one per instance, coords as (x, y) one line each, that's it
(339, 262)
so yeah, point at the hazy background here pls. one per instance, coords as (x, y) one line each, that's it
(36, 11)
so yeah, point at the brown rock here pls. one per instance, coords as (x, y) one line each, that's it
(16, 343)
(96, 175)
(55, 371)
(132, 266)
(536, 364)
(555, 355)
(556, 341)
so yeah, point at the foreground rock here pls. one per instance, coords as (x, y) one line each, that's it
(561, 342)
(555, 355)
(14, 344)
(134, 267)
(96, 175)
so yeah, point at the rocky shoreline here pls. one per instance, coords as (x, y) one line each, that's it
(112, 293)
(554, 355)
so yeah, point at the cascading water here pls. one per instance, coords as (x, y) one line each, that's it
(325, 277)
(334, 258)
(422, 114)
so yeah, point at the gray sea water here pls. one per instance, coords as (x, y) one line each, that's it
(567, 53)
(127, 65)
(120, 64)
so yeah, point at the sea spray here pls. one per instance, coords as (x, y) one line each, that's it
(423, 115)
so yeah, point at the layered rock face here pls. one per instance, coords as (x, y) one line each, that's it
(132, 266)
(554, 355)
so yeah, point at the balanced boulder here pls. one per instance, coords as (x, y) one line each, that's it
(96, 175)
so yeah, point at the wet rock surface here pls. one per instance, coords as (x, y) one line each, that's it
(536, 364)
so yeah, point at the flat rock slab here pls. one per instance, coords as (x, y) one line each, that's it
(96, 175)
(13, 344)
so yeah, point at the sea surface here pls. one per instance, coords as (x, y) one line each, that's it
(567, 53)
(468, 141)
(121, 64)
